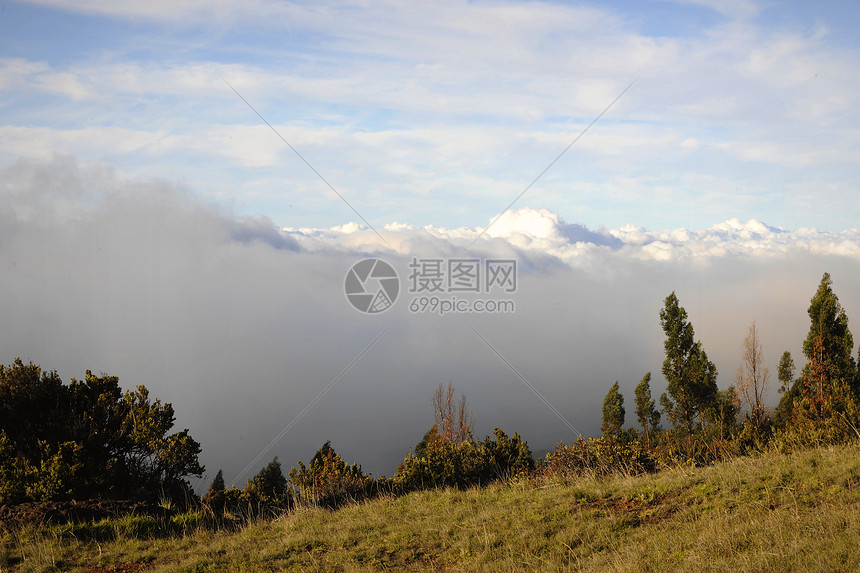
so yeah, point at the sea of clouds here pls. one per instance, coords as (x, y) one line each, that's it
(241, 324)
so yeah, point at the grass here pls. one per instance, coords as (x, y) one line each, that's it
(773, 512)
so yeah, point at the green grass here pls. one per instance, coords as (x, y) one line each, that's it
(772, 512)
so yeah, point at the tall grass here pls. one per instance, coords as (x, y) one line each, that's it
(772, 512)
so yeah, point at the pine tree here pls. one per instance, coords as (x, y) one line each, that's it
(215, 498)
(829, 329)
(830, 374)
(785, 372)
(218, 482)
(790, 388)
(269, 484)
(691, 378)
(646, 410)
(613, 412)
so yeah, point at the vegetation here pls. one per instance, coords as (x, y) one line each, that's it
(613, 412)
(690, 377)
(769, 512)
(87, 439)
(646, 410)
(750, 491)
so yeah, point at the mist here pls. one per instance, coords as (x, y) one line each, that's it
(241, 325)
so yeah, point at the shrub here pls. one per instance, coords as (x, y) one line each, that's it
(329, 481)
(599, 456)
(444, 463)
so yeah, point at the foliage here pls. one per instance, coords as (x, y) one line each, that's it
(613, 412)
(507, 456)
(329, 481)
(269, 485)
(822, 406)
(677, 448)
(215, 497)
(463, 464)
(829, 337)
(87, 439)
(646, 411)
(724, 413)
(598, 456)
(785, 372)
(767, 512)
(691, 378)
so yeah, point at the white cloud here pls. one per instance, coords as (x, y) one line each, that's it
(450, 109)
(540, 232)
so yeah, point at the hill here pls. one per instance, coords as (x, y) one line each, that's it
(773, 512)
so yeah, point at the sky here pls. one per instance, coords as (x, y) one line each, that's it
(185, 185)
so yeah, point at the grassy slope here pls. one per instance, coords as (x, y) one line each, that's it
(774, 512)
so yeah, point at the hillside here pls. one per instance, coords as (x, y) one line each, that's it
(797, 511)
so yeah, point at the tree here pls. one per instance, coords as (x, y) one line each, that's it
(269, 485)
(829, 328)
(830, 373)
(613, 412)
(646, 410)
(752, 377)
(691, 378)
(785, 372)
(724, 412)
(88, 439)
(789, 388)
(215, 498)
(454, 420)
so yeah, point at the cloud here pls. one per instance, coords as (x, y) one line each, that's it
(241, 324)
(540, 233)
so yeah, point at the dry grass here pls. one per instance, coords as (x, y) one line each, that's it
(797, 512)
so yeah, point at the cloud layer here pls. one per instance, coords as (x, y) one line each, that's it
(241, 324)
(541, 233)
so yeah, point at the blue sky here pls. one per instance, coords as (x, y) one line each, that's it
(441, 114)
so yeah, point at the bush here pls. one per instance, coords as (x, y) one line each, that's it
(445, 463)
(329, 481)
(88, 439)
(599, 456)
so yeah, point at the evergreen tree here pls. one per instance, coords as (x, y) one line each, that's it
(691, 378)
(613, 412)
(269, 485)
(215, 498)
(646, 410)
(789, 388)
(218, 483)
(828, 346)
(785, 372)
